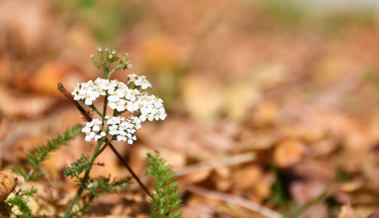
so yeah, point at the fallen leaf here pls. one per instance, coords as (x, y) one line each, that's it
(45, 80)
(202, 98)
(374, 214)
(265, 114)
(288, 152)
(347, 212)
(14, 104)
(7, 184)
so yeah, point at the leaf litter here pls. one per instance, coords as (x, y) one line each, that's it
(264, 118)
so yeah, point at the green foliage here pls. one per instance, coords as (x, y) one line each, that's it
(104, 18)
(104, 60)
(285, 12)
(79, 166)
(20, 171)
(342, 176)
(166, 198)
(41, 153)
(301, 209)
(95, 187)
(100, 185)
(105, 185)
(288, 207)
(20, 202)
(35, 159)
(29, 192)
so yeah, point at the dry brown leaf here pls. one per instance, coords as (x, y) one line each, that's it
(252, 182)
(347, 212)
(306, 191)
(180, 135)
(315, 169)
(26, 145)
(7, 184)
(159, 53)
(202, 98)
(247, 93)
(63, 157)
(324, 147)
(45, 80)
(308, 132)
(265, 114)
(197, 211)
(215, 141)
(365, 210)
(288, 152)
(198, 176)
(15, 104)
(80, 38)
(27, 22)
(247, 177)
(373, 214)
(111, 165)
(222, 178)
(316, 211)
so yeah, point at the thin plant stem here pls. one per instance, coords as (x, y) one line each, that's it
(27, 178)
(97, 111)
(104, 110)
(105, 107)
(86, 115)
(83, 182)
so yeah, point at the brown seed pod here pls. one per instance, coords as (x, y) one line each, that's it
(7, 184)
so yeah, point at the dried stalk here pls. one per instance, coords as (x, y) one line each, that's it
(235, 200)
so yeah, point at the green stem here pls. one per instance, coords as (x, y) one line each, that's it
(27, 178)
(104, 111)
(118, 67)
(84, 181)
(97, 111)
(107, 76)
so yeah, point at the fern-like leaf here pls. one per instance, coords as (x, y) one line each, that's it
(105, 185)
(20, 202)
(35, 160)
(77, 167)
(41, 153)
(166, 199)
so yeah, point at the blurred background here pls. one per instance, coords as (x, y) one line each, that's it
(289, 89)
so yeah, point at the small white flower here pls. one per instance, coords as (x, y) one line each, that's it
(132, 78)
(139, 81)
(88, 92)
(91, 129)
(143, 82)
(123, 129)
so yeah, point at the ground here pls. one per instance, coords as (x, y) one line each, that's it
(272, 108)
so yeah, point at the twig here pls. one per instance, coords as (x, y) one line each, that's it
(86, 115)
(235, 200)
(237, 159)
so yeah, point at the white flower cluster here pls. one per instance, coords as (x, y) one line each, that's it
(92, 130)
(88, 92)
(151, 108)
(123, 129)
(139, 81)
(121, 98)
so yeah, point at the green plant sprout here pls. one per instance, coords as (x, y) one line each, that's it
(35, 160)
(166, 199)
